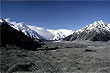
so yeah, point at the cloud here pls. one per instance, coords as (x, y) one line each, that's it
(51, 34)
(41, 31)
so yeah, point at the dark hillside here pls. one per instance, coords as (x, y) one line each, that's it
(10, 35)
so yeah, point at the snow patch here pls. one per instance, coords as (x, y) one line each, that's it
(1, 20)
(109, 25)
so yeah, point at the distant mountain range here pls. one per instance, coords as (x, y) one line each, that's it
(39, 32)
(50, 34)
(98, 31)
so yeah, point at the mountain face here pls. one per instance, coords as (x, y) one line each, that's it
(39, 32)
(98, 31)
(60, 33)
(9, 35)
(25, 29)
(50, 34)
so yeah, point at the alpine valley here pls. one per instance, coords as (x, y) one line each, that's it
(31, 49)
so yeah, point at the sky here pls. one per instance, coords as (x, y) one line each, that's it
(71, 15)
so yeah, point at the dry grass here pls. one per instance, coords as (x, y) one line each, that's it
(62, 57)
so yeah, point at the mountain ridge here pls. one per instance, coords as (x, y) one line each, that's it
(39, 32)
(98, 31)
(25, 29)
(9, 35)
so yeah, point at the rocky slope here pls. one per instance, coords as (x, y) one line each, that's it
(25, 29)
(9, 35)
(98, 31)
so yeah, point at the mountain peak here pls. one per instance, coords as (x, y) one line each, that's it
(98, 31)
(99, 23)
(1, 20)
(96, 26)
(24, 28)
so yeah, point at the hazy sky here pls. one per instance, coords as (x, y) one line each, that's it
(56, 14)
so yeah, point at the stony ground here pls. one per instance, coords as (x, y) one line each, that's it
(58, 57)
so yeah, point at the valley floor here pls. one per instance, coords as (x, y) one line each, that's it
(58, 57)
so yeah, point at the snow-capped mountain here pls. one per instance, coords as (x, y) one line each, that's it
(51, 34)
(60, 33)
(12, 36)
(25, 29)
(39, 32)
(98, 31)
(96, 26)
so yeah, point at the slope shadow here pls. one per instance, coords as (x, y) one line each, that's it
(10, 35)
